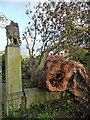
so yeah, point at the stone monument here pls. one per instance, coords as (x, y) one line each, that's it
(12, 33)
(12, 90)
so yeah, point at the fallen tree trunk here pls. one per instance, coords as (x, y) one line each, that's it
(59, 74)
(59, 71)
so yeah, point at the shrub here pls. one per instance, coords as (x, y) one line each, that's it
(81, 56)
(3, 68)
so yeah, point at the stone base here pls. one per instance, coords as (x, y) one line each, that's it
(11, 101)
(36, 96)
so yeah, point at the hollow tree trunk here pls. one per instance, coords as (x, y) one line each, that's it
(57, 74)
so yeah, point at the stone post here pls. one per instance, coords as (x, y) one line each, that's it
(12, 90)
(13, 70)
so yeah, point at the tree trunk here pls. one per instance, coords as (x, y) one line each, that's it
(57, 75)
(59, 72)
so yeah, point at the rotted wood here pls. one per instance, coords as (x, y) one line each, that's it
(59, 71)
(60, 74)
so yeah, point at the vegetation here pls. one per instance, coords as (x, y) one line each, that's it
(24, 65)
(81, 56)
(3, 68)
(3, 20)
(65, 107)
(60, 26)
